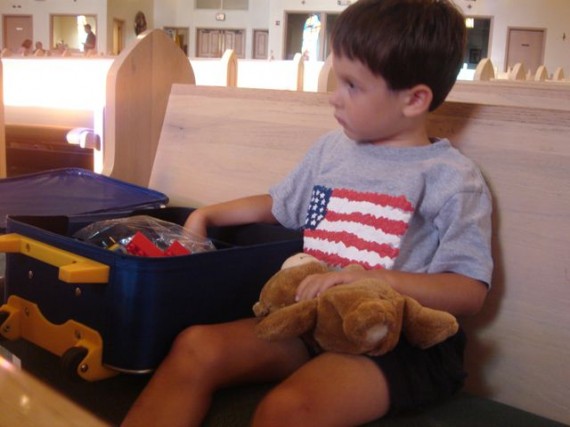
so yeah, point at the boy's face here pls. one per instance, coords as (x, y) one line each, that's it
(366, 108)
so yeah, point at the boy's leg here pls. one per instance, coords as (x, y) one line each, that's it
(204, 359)
(330, 390)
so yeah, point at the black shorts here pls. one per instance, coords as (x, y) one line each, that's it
(417, 378)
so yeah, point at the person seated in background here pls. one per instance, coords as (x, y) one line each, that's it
(25, 48)
(39, 50)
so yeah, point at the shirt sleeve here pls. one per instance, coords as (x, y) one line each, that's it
(292, 195)
(465, 231)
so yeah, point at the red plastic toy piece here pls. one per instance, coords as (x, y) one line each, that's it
(176, 248)
(140, 245)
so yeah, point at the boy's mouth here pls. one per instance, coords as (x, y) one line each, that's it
(340, 120)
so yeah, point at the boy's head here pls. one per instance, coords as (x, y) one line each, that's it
(406, 42)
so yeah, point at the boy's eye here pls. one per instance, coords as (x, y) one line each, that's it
(349, 84)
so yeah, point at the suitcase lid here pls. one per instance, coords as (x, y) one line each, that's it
(71, 191)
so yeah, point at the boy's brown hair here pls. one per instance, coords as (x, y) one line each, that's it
(406, 42)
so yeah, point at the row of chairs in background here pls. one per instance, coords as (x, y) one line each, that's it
(486, 71)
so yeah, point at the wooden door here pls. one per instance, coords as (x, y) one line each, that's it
(17, 28)
(234, 39)
(209, 44)
(212, 43)
(260, 44)
(118, 36)
(525, 46)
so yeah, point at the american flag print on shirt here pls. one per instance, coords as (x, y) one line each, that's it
(349, 227)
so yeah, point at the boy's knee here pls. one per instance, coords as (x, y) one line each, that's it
(196, 346)
(284, 406)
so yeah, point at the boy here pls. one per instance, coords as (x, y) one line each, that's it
(419, 219)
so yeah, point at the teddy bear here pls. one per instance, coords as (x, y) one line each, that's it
(363, 317)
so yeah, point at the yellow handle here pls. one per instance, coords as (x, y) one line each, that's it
(72, 268)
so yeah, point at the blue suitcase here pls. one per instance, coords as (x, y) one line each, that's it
(72, 191)
(105, 312)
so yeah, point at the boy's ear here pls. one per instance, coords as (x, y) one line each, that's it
(418, 100)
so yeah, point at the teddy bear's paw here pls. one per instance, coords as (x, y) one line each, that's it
(280, 290)
(260, 310)
(289, 322)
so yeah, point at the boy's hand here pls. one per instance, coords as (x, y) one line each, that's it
(196, 223)
(314, 284)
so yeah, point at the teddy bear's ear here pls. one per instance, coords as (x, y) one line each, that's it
(297, 260)
(425, 327)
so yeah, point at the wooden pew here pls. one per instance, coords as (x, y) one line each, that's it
(274, 74)
(27, 402)
(31, 148)
(518, 72)
(544, 95)
(138, 84)
(327, 80)
(221, 143)
(558, 74)
(485, 70)
(216, 72)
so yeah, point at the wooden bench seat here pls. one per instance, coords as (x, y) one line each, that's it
(110, 400)
(221, 143)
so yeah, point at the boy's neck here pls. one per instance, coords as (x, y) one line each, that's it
(415, 137)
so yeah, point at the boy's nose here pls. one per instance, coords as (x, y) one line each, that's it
(334, 99)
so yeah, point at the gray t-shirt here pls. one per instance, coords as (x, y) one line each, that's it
(420, 209)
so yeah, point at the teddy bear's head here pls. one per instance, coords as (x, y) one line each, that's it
(364, 317)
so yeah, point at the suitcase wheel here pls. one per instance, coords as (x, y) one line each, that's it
(71, 362)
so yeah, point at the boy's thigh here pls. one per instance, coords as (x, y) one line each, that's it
(349, 388)
(242, 356)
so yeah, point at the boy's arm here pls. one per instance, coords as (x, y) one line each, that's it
(239, 211)
(455, 293)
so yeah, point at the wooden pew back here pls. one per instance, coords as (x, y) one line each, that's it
(221, 143)
(548, 95)
(138, 84)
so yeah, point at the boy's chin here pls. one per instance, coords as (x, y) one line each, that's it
(351, 135)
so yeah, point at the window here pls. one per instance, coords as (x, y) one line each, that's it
(223, 4)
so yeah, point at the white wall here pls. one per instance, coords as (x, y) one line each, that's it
(186, 16)
(126, 10)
